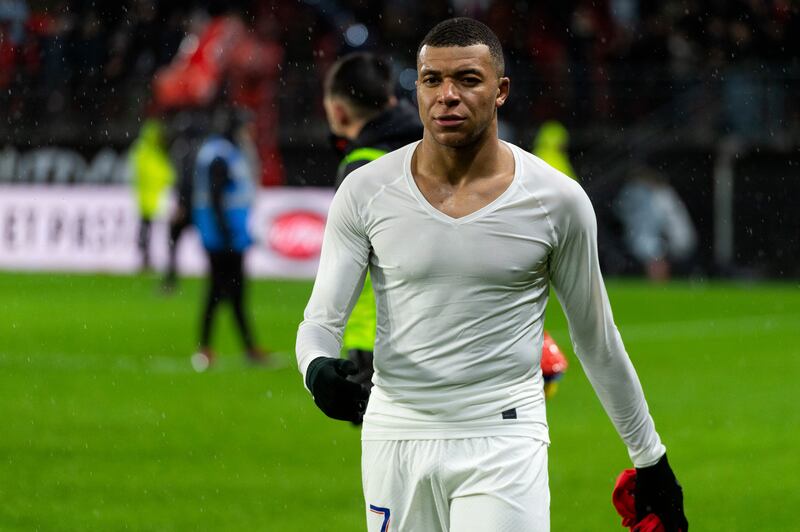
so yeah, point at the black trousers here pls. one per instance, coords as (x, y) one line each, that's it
(177, 226)
(143, 242)
(226, 282)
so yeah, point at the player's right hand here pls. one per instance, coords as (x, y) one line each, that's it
(334, 394)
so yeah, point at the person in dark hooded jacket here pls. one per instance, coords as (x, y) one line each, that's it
(365, 117)
(367, 121)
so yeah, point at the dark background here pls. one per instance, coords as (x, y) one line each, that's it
(661, 82)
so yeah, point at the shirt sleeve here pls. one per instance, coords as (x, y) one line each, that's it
(578, 283)
(340, 278)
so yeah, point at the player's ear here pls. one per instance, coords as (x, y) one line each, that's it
(337, 113)
(341, 113)
(503, 87)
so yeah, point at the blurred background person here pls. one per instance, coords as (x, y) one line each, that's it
(364, 115)
(658, 230)
(190, 127)
(366, 121)
(222, 197)
(152, 173)
(551, 145)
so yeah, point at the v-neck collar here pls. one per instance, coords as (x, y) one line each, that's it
(486, 209)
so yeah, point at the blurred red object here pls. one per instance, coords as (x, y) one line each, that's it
(554, 363)
(253, 81)
(625, 504)
(193, 77)
(40, 23)
(226, 54)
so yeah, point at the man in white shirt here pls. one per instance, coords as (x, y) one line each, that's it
(462, 235)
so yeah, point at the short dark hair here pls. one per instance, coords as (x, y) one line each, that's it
(465, 31)
(363, 79)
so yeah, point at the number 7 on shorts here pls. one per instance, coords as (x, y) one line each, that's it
(383, 511)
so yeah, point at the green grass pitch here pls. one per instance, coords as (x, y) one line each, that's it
(104, 426)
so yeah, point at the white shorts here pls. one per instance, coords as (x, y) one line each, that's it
(490, 484)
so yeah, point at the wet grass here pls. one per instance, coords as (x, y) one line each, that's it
(106, 427)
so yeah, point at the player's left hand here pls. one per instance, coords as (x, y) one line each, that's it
(658, 492)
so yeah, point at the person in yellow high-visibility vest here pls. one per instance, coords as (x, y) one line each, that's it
(551, 144)
(152, 175)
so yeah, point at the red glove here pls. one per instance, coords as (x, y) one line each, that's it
(625, 504)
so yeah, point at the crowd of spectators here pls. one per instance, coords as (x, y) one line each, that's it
(583, 62)
(79, 61)
(621, 75)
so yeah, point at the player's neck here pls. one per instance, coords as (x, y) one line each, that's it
(458, 165)
(353, 130)
(357, 125)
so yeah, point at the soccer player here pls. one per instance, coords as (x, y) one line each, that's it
(363, 111)
(463, 234)
(222, 195)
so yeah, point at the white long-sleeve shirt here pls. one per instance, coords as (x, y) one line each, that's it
(461, 303)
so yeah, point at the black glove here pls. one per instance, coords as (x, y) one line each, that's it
(363, 361)
(336, 396)
(658, 492)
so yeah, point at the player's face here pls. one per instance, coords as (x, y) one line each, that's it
(458, 91)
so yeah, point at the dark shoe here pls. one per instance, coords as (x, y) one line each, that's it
(169, 285)
(257, 357)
